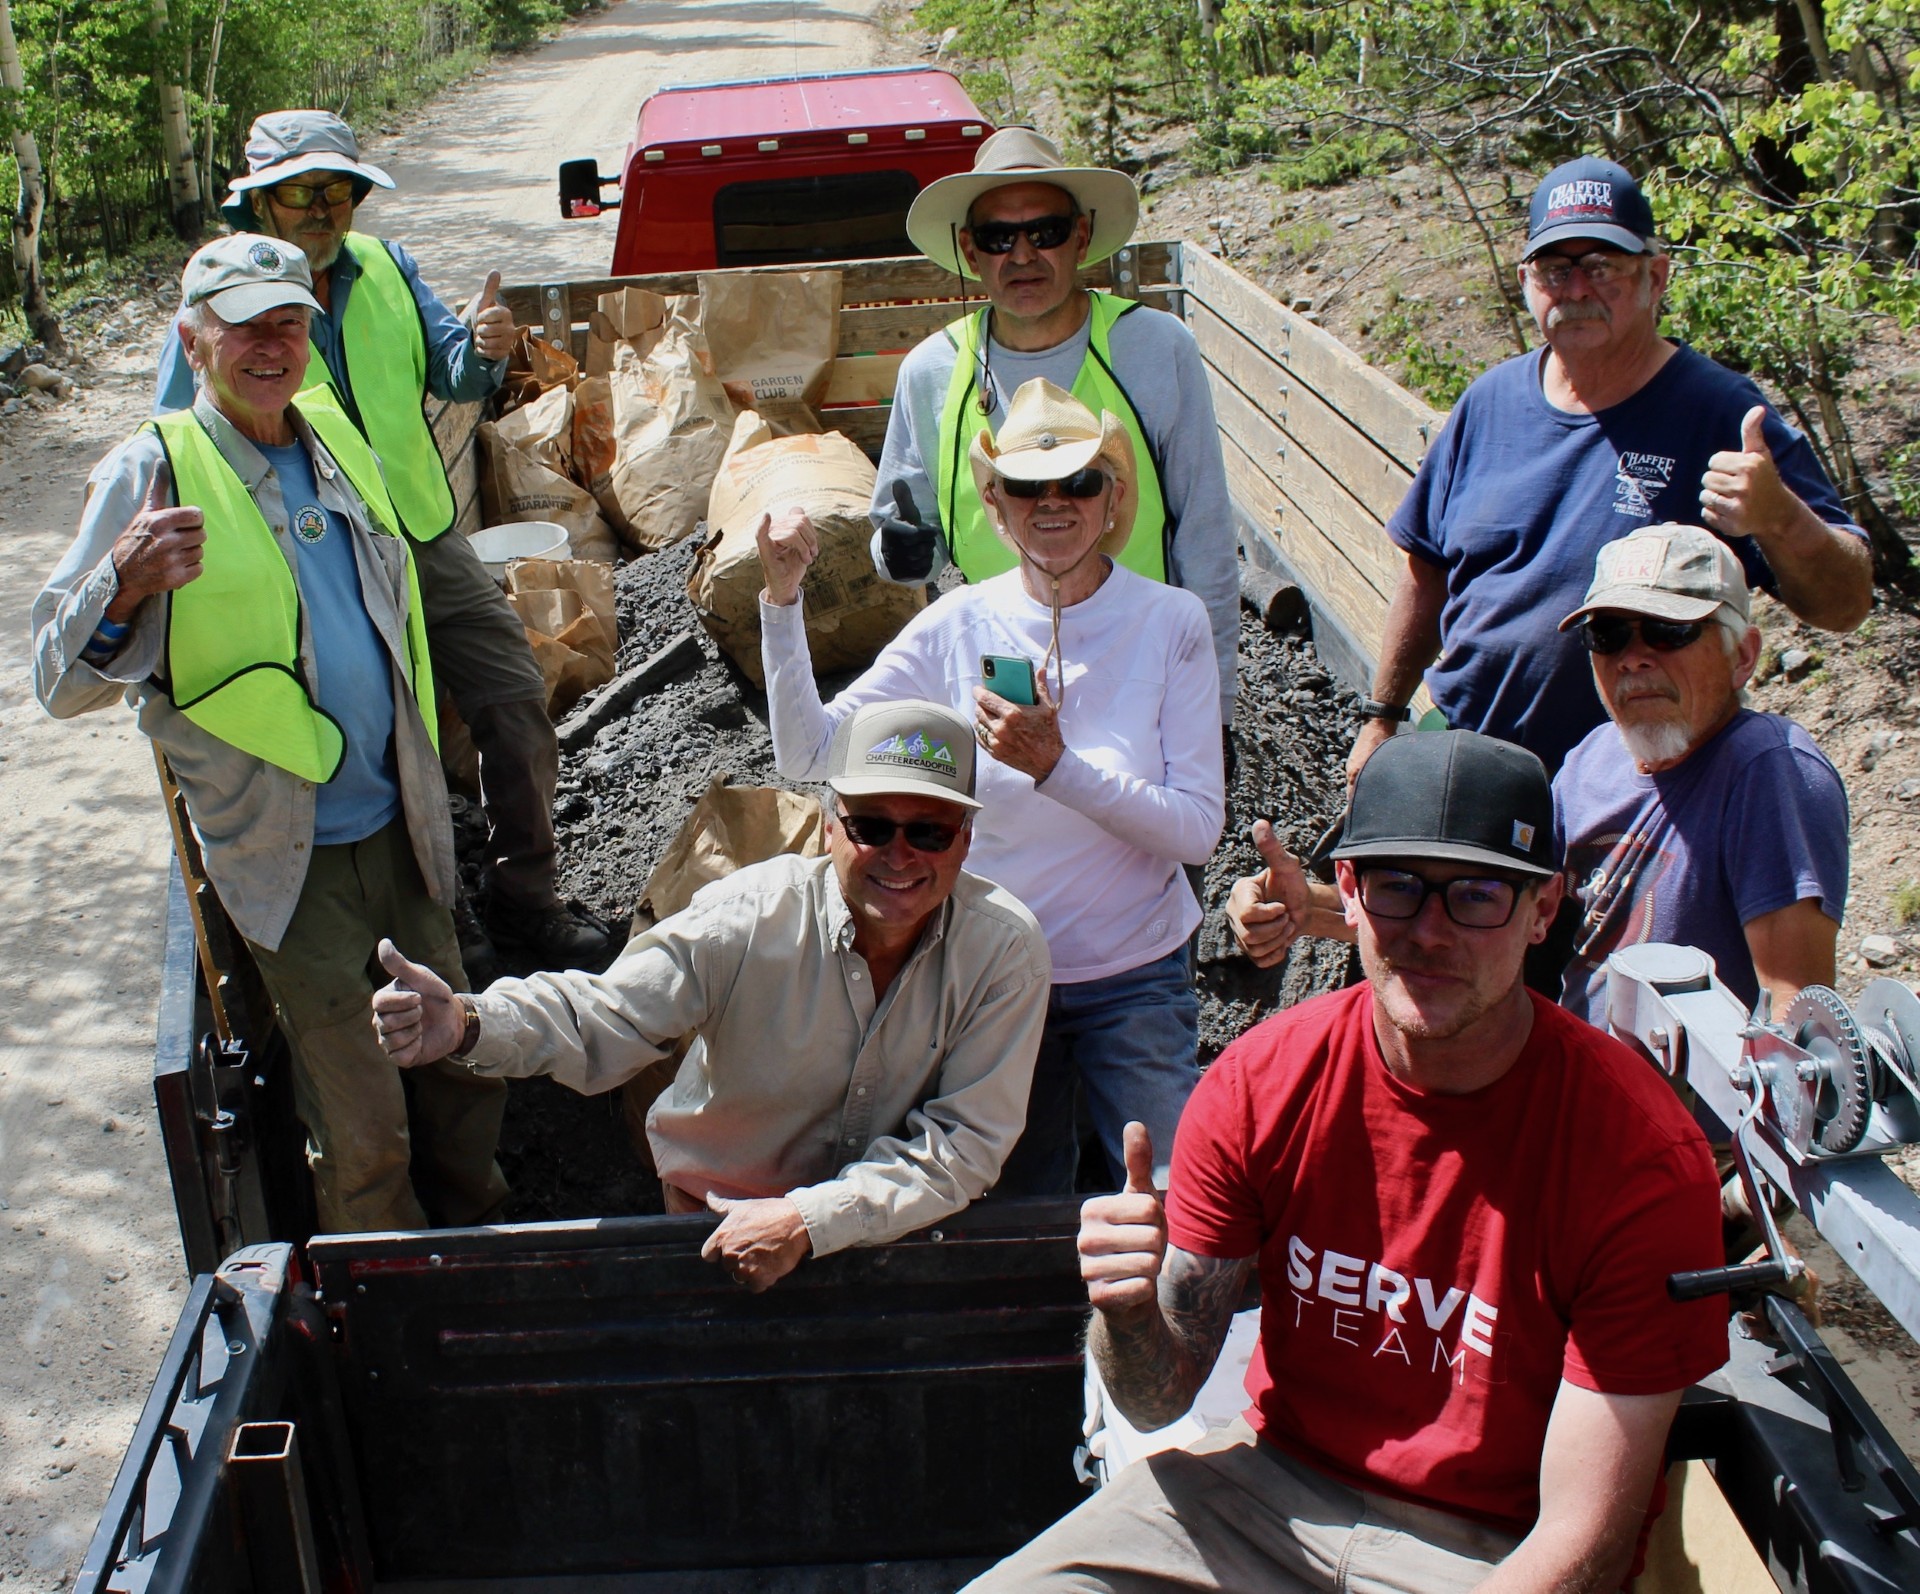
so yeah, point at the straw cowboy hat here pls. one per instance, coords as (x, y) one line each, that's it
(1020, 155)
(1050, 434)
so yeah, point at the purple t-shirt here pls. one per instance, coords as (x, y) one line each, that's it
(1754, 821)
(1515, 500)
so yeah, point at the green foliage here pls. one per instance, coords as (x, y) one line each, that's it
(1438, 372)
(1906, 902)
(1903, 472)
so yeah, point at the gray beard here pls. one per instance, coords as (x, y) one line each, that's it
(1656, 744)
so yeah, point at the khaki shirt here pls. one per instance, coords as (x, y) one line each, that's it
(254, 819)
(875, 1118)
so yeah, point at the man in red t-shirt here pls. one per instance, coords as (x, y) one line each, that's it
(1464, 1205)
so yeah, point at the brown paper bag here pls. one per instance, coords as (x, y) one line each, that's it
(516, 486)
(671, 420)
(568, 643)
(729, 828)
(627, 315)
(773, 336)
(851, 613)
(588, 578)
(542, 429)
(533, 367)
(593, 450)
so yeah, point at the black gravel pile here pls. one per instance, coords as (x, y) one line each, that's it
(622, 798)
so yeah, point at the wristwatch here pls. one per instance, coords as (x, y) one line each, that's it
(470, 1031)
(1371, 708)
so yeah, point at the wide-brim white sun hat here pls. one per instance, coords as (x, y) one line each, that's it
(1048, 435)
(1106, 197)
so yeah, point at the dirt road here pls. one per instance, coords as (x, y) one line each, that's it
(90, 1270)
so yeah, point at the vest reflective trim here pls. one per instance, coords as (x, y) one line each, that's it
(232, 659)
(386, 352)
(972, 542)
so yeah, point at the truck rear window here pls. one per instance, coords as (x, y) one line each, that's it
(845, 216)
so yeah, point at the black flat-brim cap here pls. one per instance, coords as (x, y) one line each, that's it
(1456, 796)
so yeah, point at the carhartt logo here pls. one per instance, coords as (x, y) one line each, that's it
(266, 257)
(1584, 197)
(1523, 835)
(917, 751)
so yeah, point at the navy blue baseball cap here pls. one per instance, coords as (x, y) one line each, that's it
(1589, 198)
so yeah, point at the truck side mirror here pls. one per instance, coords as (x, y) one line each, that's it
(580, 185)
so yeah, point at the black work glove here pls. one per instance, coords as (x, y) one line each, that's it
(906, 550)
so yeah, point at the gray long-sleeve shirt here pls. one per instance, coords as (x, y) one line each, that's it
(1159, 365)
(255, 821)
(875, 1117)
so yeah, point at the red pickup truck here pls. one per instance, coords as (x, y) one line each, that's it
(780, 170)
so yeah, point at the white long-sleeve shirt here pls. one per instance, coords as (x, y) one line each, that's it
(1094, 850)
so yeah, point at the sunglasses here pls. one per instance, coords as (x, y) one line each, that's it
(1043, 232)
(875, 832)
(1554, 272)
(300, 196)
(1087, 482)
(1472, 904)
(1609, 633)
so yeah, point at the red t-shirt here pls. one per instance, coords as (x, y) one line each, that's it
(1433, 1266)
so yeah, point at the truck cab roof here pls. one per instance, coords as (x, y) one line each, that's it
(756, 108)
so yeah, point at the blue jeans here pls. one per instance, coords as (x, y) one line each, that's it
(1131, 1042)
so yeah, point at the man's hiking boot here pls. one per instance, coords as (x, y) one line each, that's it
(564, 936)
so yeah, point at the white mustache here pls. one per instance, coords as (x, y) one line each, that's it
(1579, 310)
(1627, 691)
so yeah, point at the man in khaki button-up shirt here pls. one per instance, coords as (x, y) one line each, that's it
(867, 1021)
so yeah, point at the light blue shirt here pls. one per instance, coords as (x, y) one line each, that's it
(454, 370)
(354, 677)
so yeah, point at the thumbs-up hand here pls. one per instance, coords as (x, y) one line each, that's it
(1123, 1238)
(160, 551)
(1268, 910)
(492, 321)
(1741, 494)
(417, 1018)
(788, 544)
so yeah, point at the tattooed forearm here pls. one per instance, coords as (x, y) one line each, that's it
(1154, 1362)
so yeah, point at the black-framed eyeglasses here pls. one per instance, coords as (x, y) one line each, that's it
(1043, 232)
(875, 831)
(300, 196)
(1086, 482)
(1471, 902)
(1610, 633)
(1554, 272)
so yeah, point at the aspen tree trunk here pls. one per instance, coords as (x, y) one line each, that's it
(176, 134)
(42, 323)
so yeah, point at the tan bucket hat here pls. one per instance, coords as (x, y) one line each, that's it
(1050, 434)
(1020, 155)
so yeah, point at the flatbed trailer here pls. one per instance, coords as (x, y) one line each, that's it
(587, 1407)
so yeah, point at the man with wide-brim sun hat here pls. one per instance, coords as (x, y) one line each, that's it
(1096, 792)
(385, 341)
(1021, 224)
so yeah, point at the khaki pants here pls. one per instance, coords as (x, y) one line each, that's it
(482, 659)
(372, 1141)
(1230, 1513)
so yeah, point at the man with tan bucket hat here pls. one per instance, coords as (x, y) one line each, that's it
(239, 578)
(865, 1022)
(1021, 224)
(1098, 788)
(385, 341)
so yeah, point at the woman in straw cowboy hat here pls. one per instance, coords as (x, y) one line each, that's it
(1094, 796)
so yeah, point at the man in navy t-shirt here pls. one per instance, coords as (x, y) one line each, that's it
(1691, 818)
(1550, 456)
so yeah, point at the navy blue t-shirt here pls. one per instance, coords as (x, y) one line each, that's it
(1515, 501)
(355, 671)
(1753, 821)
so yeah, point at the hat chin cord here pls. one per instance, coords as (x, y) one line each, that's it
(1055, 656)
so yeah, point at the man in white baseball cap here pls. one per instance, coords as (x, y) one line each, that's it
(378, 328)
(1022, 223)
(867, 1021)
(241, 580)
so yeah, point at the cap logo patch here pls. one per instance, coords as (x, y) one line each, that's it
(266, 257)
(1639, 559)
(1523, 835)
(1586, 196)
(917, 751)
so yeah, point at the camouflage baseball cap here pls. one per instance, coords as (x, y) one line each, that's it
(246, 274)
(908, 747)
(1671, 572)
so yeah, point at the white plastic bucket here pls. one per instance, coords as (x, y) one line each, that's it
(518, 539)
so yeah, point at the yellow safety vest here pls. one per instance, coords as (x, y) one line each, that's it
(386, 351)
(232, 662)
(972, 542)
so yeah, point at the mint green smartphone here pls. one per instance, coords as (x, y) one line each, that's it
(1008, 677)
